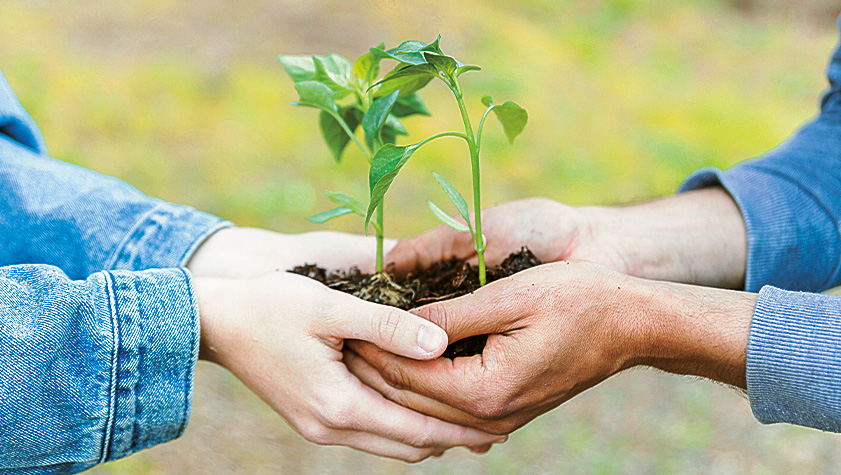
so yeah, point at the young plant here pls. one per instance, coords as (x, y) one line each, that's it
(418, 63)
(342, 92)
(377, 105)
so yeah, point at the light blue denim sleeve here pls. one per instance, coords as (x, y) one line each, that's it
(52, 212)
(790, 199)
(92, 370)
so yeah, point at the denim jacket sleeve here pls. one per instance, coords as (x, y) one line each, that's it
(790, 199)
(95, 362)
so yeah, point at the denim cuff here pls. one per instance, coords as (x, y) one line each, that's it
(156, 339)
(792, 361)
(166, 237)
(785, 226)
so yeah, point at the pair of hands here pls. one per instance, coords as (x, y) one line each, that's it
(555, 330)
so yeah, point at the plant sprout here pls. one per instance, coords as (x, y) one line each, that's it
(321, 81)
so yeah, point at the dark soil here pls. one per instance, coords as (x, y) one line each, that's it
(444, 280)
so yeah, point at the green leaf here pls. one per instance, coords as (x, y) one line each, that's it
(406, 79)
(445, 64)
(378, 113)
(347, 201)
(410, 105)
(512, 117)
(392, 128)
(385, 165)
(488, 101)
(455, 197)
(334, 72)
(466, 69)
(406, 53)
(433, 47)
(334, 135)
(447, 219)
(299, 67)
(366, 68)
(325, 216)
(316, 95)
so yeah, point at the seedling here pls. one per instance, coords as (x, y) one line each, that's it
(321, 81)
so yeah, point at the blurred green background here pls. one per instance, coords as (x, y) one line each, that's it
(185, 100)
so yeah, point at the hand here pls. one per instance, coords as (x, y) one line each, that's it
(283, 334)
(555, 331)
(249, 252)
(696, 237)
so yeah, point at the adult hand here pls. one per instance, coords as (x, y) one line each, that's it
(696, 237)
(283, 334)
(249, 252)
(555, 331)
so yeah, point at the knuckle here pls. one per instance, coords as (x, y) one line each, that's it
(387, 327)
(439, 315)
(395, 375)
(337, 414)
(316, 433)
(423, 439)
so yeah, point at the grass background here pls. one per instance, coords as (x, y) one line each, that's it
(185, 100)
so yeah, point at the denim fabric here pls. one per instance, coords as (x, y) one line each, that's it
(790, 199)
(99, 327)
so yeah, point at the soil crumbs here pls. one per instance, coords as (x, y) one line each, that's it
(444, 280)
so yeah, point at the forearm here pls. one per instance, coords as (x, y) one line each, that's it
(695, 237)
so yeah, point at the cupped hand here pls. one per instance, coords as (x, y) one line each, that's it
(283, 335)
(249, 252)
(555, 330)
(552, 231)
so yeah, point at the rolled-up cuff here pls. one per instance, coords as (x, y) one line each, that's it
(156, 328)
(785, 226)
(166, 237)
(793, 370)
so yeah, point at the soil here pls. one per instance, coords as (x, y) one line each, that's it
(444, 280)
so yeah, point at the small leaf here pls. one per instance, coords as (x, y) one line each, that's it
(392, 128)
(455, 197)
(447, 219)
(347, 201)
(333, 71)
(512, 117)
(433, 47)
(299, 67)
(385, 165)
(378, 113)
(366, 68)
(445, 64)
(410, 105)
(334, 135)
(408, 79)
(316, 95)
(466, 69)
(402, 56)
(488, 101)
(325, 216)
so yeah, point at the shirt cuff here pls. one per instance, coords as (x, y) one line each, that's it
(793, 374)
(166, 237)
(156, 340)
(785, 226)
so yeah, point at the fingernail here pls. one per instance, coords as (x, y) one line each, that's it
(430, 339)
(501, 440)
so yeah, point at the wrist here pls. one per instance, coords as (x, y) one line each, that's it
(691, 330)
(212, 296)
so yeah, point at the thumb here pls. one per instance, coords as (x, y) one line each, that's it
(393, 330)
(420, 252)
(477, 313)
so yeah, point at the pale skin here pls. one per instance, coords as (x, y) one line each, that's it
(561, 328)
(282, 335)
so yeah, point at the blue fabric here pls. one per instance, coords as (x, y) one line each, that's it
(99, 326)
(790, 199)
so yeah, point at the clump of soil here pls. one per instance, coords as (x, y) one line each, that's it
(444, 280)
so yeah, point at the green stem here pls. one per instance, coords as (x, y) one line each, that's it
(380, 237)
(352, 136)
(478, 241)
(481, 127)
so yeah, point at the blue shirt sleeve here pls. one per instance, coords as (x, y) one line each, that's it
(56, 213)
(790, 199)
(93, 370)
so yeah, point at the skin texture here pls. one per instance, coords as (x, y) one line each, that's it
(282, 335)
(561, 328)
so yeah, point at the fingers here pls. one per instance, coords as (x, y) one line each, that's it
(420, 252)
(482, 312)
(389, 328)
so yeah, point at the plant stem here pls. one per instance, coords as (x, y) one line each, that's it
(380, 237)
(352, 136)
(478, 240)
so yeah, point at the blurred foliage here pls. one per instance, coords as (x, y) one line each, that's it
(185, 100)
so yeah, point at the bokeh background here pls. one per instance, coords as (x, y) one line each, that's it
(185, 100)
